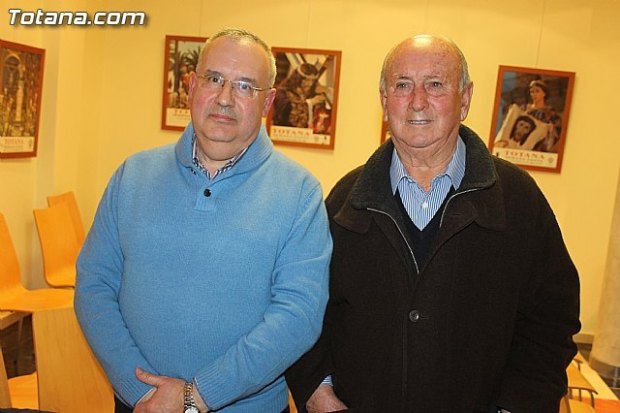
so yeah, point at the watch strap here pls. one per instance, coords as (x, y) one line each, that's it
(188, 398)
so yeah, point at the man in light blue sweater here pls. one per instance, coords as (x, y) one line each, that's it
(205, 273)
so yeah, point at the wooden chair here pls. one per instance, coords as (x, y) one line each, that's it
(568, 405)
(18, 392)
(578, 360)
(69, 199)
(577, 383)
(70, 378)
(59, 244)
(291, 403)
(13, 295)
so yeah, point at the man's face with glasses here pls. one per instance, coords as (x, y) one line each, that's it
(229, 96)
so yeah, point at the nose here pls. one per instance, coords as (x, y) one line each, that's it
(225, 94)
(419, 99)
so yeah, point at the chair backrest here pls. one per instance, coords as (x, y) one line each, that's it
(69, 376)
(59, 245)
(9, 265)
(69, 199)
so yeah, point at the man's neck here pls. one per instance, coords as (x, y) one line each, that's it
(211, 165)
(424, 164)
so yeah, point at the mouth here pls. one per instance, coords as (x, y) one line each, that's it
(219, 117)
(418, 122)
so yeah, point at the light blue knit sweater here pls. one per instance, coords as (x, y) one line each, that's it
(227, 290)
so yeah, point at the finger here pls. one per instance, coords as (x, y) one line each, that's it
(147, 378)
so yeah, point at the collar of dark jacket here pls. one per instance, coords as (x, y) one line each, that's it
(482, 196)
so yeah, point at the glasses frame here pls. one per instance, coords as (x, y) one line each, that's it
(234, 84)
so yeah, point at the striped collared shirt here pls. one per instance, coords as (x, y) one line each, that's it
(229, 164)
(422, 206)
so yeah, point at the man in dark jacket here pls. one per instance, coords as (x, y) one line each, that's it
(451, 287)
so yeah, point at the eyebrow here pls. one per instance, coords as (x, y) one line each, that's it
(244, 78)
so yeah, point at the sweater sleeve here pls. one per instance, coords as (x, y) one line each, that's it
(99, 272)
(292, 321)
(534, 378)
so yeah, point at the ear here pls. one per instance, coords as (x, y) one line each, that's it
(192, 85)
(466, 100)
(271, 95)
(383, 97)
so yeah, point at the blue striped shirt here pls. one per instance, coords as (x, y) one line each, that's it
(422, 206)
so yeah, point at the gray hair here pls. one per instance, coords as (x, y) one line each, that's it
(238, 35)
(464, 81)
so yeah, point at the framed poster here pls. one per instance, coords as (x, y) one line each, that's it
(530, 117)
(20, 99)
(180, 60)
(304, 109)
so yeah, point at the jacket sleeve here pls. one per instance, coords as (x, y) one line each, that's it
(534, 378)
(99, 272)
(308, 372)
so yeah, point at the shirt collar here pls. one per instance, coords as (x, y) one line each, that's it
(229, 164)
(455, 170)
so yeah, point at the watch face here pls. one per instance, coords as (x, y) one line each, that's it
(191, 409)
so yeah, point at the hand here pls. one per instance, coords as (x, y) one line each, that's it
(167, 397)
(324, 400)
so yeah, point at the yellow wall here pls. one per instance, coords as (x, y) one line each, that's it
(103, 87)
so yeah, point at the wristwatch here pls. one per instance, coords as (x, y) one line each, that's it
(189, 405)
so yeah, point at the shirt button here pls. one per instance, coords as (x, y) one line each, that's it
(414, 316)
(424, 205)
(207, 192)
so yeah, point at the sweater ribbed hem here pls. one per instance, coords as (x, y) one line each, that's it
(218, 393)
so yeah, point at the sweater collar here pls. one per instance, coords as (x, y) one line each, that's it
(258, 151)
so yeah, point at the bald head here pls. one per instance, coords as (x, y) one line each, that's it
(440, 45)
(241, 36)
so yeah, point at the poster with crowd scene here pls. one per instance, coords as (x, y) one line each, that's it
(180, 60)
(530, 117)
(20, 99)
(304, 109)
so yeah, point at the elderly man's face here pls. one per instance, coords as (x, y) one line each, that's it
(219, 116)
(422, 101)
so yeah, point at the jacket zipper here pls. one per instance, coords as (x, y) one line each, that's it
(417, 270)
(445, 208)
(404, 338)
(404, 354)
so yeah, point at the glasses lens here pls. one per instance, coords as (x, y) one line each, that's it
(211, 81)
(240, 88)
(243, 89)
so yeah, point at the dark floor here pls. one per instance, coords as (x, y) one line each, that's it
(18, 360)
(23, 362)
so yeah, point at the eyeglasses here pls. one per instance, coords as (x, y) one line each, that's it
(240, 88)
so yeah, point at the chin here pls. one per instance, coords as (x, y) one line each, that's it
(221, 134)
